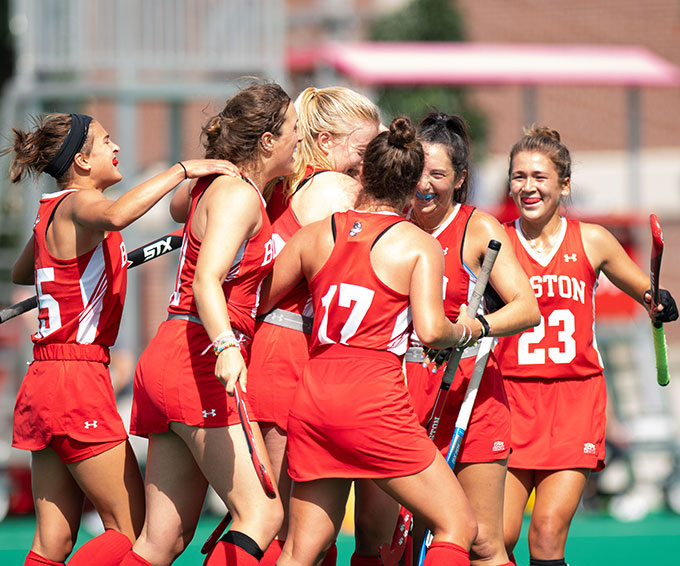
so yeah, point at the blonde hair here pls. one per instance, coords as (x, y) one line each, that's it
(335, 110)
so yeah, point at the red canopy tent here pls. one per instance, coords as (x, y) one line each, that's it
(396, 63)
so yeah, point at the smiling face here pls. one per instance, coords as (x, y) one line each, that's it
(434, 193)
(346, 152)
(101, 160)
(283, 145)
(535, 186)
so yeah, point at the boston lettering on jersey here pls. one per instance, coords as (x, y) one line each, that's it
(563, 344)
(551, 285)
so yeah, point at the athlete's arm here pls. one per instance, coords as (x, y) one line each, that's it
(91, 210)
(180, 202)
(509, 280)
(287, 272)
(23, 272)
(608, 256)
(181, 199)
(426, 294)
(232, 199)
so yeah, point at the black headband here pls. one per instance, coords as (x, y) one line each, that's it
(73, 142)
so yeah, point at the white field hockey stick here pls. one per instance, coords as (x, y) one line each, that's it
(136, 257)
(660, 348)
(462, 421)
(390, 555)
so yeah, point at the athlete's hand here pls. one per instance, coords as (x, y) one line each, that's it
(230, 368)
(666, 309)
(202, 167)
(472, 323)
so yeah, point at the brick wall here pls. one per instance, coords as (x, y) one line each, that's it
(590, 118)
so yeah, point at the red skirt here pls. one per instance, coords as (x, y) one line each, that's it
(352, 418)
(66, 392)
(175, 382)
(487, 438)
(277, 358)
(557, 424)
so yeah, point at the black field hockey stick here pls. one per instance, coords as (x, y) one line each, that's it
(660, 348)
(260, 469)
(136, 257)
(390, 555)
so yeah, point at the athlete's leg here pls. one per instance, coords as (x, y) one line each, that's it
(557, 496)
(435, 495)
(518, 486)
(58, 506)
(175, 489)
(113, 483)
(223, 456)
(275, 442)
(375, 515)
(483, 485)
(316, 512)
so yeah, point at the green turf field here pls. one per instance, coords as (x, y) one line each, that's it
(594, 540)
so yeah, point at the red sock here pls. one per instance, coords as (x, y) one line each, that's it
(331, 558)
(271, 555)
(33, 559)
(134, 559)
(362, 560)
(234, 549)
(446, 554)
(107, 549)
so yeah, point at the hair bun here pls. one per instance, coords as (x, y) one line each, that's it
(402, 132)
(536, 131)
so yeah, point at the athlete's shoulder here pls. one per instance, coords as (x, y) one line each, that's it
(337, 190)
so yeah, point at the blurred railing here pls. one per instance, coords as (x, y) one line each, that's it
(146, 40)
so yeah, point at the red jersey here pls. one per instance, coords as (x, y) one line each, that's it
(298, 300)
(563, 344)
(352, 305)
(459, 279)
(241, 287)
(80, 300)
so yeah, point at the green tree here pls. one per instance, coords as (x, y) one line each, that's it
(426, 20)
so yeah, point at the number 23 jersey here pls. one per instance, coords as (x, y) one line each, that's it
(563, 344)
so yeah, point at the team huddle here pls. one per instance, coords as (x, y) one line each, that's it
(325, 261)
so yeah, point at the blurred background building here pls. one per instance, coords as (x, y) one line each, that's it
(153, 71)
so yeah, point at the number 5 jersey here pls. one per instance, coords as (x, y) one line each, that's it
(563, 344)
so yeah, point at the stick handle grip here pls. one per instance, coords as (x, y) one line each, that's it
(18, 308)
(661, 354)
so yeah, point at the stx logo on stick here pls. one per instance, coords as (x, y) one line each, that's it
(157, 248)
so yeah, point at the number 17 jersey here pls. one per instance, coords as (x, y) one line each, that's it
(563, 344)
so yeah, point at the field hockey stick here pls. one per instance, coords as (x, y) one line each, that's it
(136, 257)
(660, 348)
(462, 421)
(390, 555)
(211, 541)
(260, 469)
